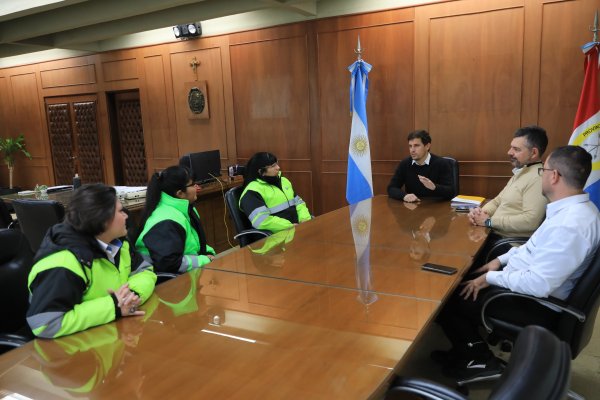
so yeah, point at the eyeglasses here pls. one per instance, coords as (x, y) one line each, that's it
(541, 171)
(272, 165)
(191, 184)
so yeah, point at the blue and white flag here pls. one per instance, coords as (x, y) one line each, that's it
(360, 218)
(359, 185)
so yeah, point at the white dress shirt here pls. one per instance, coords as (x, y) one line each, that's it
(556, 255)
(426, 162)
(111, 249)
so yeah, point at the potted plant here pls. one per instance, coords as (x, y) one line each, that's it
(10, 147)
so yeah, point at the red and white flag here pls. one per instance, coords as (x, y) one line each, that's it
(586, 129)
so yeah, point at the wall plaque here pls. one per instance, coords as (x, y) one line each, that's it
(197, 100)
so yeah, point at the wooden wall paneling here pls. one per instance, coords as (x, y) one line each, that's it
(564, 29)
(226, 137)
(6, 106)
(6, 118)
(475, 80)
(104, 139)
(69, 76)
(117, 70)
(390, 110)
(314, 111)
(230, 157)
(532, 32)
(272, 33)
(469, 77)
(199, 134)
(120, 70)
(333, 190)
(29, 120)
(303, 185)
(158, 114)
(389, 49)
(270, 89)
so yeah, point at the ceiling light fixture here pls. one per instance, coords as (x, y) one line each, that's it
(187, 31)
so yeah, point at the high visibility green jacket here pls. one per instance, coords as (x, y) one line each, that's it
(271, 208)
(70, 279)
(173, 239)
(100, 350)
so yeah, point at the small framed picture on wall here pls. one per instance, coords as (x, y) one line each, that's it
(197, 100)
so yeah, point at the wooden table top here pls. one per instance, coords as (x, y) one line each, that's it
(402, 239)
(308, 329)
(218, 334)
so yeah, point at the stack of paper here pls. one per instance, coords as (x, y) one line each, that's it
(463, 201)
(130, 192)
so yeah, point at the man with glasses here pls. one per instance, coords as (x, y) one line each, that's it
(519, 208)
(549, 264)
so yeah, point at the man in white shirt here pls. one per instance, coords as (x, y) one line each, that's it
(549, 264)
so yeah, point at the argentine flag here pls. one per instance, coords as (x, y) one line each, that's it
(359, 185)
(586, 129)
(360, 219)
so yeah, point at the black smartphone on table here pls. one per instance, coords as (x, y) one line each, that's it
(442, 269)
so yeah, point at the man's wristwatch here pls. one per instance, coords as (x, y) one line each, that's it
(488, 223)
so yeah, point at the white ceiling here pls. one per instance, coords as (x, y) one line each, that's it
(37, 30)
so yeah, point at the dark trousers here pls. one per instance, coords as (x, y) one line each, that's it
(460, 320)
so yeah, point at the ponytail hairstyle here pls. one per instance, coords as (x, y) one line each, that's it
(168, 181)
(256, 166)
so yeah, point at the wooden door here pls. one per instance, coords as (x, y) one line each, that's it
(127, 134)
(73, 130)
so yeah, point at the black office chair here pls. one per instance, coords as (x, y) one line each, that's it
(539, 369)
(503, 245)
(6, 220)
(455, 175)
(36, 216)
(246, 234)
(575, 323)
(16, 260)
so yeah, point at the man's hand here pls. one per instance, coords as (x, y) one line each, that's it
(493, 265)
(426, 182)
(473, 211)
(472, 288)
(477, 216)
(411, 198)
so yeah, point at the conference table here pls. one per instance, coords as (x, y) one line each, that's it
(314, 313)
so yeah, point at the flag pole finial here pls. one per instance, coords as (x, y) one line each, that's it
(358, 50)
(594, 28)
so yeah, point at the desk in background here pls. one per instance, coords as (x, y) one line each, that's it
(210, 206)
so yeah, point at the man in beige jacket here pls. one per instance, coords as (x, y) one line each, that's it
(520, 207)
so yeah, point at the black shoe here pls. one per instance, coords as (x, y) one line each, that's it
(474, 369)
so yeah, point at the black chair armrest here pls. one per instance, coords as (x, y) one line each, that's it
(422, 387)
(504, 242)
(252, 231)
(13, 340)
(497, 293)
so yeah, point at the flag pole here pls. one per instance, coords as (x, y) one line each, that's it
(359, 50)
(594, 29)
